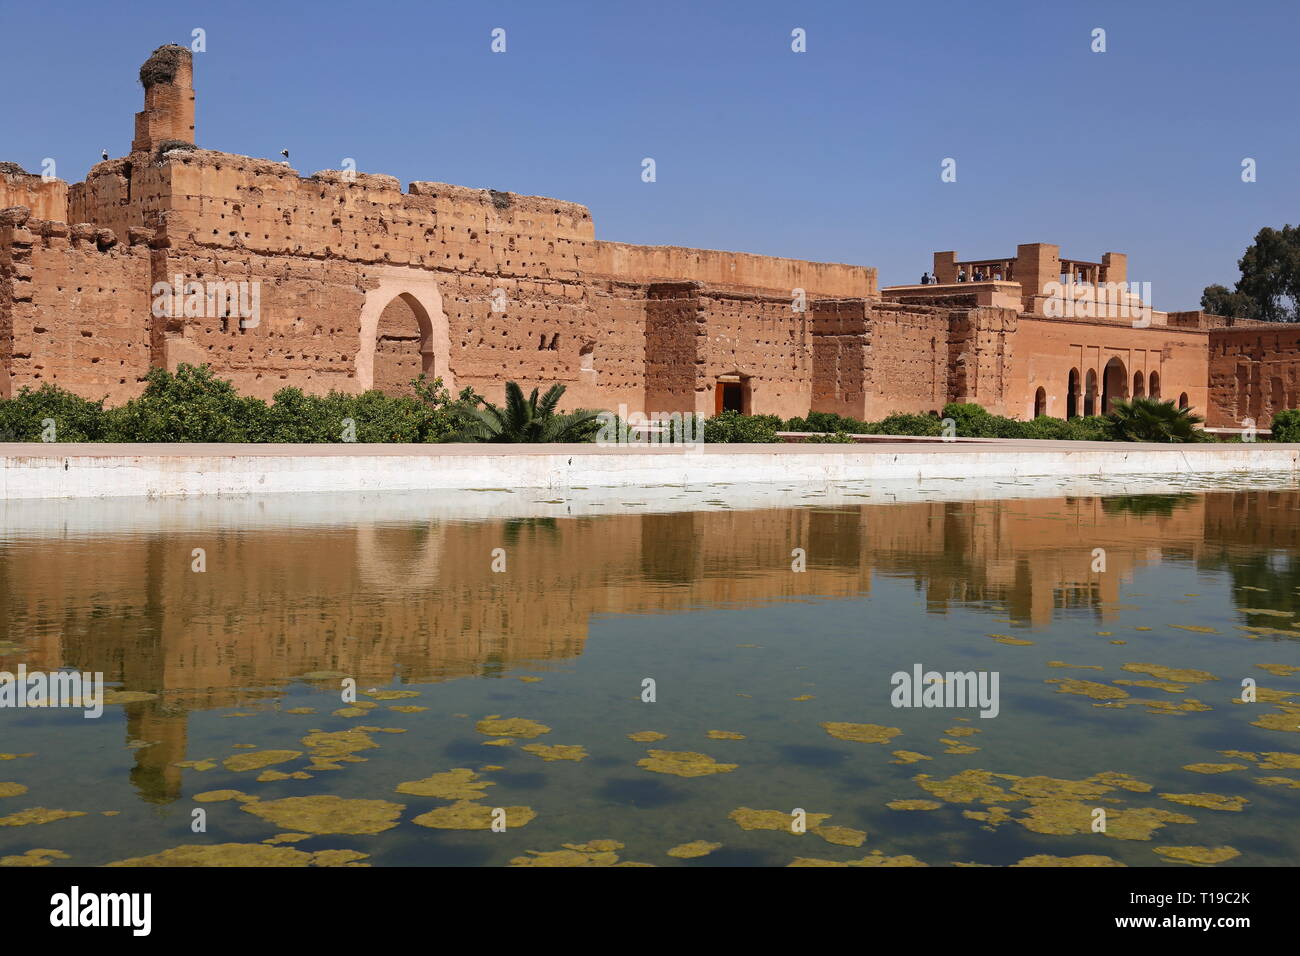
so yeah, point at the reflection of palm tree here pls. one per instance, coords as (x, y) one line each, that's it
(1143, 505)
(512, 527)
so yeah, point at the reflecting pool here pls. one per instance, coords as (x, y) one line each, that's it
(660, 677)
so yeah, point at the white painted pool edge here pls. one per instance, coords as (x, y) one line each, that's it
(88, 471)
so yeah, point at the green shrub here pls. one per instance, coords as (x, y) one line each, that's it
(1089, 428)
(973, 421)
(1150, 419)
(731, 427)
(826, 422)
(908, 424)
(830, 438)
(1045, 428)
(188, 406)
(1286, 425)
(27, 416)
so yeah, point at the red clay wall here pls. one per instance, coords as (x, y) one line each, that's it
(74, 308)
(1047, 349)
(1254, 372)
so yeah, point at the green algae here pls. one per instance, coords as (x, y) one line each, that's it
(1174, 674)
(35, 857)
(1085, 859)
(683, 763)
(749, 819)
(498, 726)
(328, 814)
(259, 759)
(550, 752)
(914, 804)
(466, 815)
(37, 816)
(908, 756)
(1087, 688)
(1199, 855)
(647, 736)
(693, 850)
(875, 858)
(1207, 801)
(861, 733)
(459, 784)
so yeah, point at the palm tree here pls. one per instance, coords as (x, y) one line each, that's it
(1149, 419)
(523, 420)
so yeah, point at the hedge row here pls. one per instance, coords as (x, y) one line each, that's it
(191, 405)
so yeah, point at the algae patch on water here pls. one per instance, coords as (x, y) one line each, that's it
(459, 784)
(1085, 859)
(258, 759)
(465, 815)
(647, 736)
(861, 733)
(693, 850)
(1201, 855)
(498, 726)
(748, 819)
(1087, 688)
(1207, 801)
(549, 752)
(242, 854)
(36, 857)
(328, 814)
(683, 763)
(38, 815)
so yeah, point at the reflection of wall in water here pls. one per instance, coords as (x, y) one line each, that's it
(374, 600)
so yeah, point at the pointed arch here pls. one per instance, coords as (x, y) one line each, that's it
(419, 291)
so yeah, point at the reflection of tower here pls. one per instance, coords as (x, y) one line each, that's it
(155, 774)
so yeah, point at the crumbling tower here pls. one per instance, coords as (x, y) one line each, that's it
(168, 114)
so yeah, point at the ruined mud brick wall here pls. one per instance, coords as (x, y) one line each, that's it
(1047, 349)
(840, 341)
(74, 307)
(1254, 372)
(674, 324)
(307, 329)
(907, 360)
(982, 346)
(762, 339)
(731, 270)
(43, 198)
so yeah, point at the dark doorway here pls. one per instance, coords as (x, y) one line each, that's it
(733, 397)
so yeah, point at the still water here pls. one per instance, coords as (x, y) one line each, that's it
(505, 646)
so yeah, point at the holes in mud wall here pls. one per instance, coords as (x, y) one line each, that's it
(552, 346)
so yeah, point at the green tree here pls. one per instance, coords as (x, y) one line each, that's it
(1269, 287)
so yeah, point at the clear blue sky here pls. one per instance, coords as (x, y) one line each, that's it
(832, 154)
